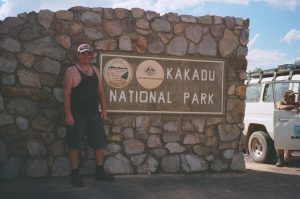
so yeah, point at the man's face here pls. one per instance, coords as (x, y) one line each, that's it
(290, 99)
(85, 57)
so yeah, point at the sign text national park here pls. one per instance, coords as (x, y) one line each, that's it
(143, 84)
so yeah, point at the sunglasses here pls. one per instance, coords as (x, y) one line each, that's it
(86, 53)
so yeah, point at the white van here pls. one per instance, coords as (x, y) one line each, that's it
(266, 127)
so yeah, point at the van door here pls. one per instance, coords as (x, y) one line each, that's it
(286, 123)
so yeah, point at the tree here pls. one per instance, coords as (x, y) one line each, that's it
(297, 62)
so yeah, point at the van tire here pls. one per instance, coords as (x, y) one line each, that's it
(260, 147)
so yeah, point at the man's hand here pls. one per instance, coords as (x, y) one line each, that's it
(70, 120)
(104, 115)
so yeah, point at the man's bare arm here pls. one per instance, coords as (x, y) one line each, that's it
(68, 84)
(101, 96)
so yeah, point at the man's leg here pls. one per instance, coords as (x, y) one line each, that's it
(76, 179)
(280, 161)
(100, 172)
(99, 155)
(287, 156)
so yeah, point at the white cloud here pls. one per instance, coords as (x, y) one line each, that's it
(252, 41)
(259, 58)
(283, 4)
(292, 35)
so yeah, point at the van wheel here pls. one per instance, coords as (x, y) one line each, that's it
(259, 146)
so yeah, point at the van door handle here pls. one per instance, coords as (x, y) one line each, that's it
(283, 120)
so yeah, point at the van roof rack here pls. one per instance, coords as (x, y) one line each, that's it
(284, 69)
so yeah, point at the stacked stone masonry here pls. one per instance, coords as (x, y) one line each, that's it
(36, 49)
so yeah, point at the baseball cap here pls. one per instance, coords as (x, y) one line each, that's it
(289, 93)
(84, 47)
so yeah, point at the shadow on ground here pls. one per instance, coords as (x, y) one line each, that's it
(207, 185)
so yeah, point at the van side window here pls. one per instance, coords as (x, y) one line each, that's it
(279, 89)
(253, 93)
(268, 93)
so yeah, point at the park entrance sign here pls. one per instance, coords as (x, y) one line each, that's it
(144, 84)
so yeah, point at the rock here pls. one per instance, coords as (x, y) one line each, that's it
(47, 65)
(154, 141)
(187, 126)
(142, 123)
(150, 166)
(11, 169)
(191, 163)
(125, 43)
(158, 153)
(1, 103)
(62, 132)
(228, 154)
(170, 164)
(128, 133)
(121, 13)
(137, 12)
(199, 124)
(57, 148)
(23, 107)
(228, 132)
(244, 37)
(155, 45)
(154, 130)
(228, 43)
(26, 59)
(63, 40)
(201, 150)
(208, 46)
(161, 25)
(133, 146)
(36, 168)
(42, 124)
(174, 147)
(171, 127)
(10, 45)
(173, 17)
(64, 15)
(8, 65)
(94, 33)
(91, 18)
(3, 153)
(36, 148)
(113, 28)
(188, 18)
(177, 46)
(118, 164)
(238, 162)
(143, 24)
(171, 137)
(138, 159)
(218, 30)
(191, 138)
(140, 44)
(219, 165)
(47, 47)
(45, 18)
(150, 15)
(113, 148)
(61, 167)
(207, 19)
(8, 79)
(107, 45)
(193, 33)
(28, 78)
(59, 94)
(6, 119)
(10, 22)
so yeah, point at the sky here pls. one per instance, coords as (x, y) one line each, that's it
(274, 24)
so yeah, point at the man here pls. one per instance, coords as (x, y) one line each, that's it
(83, 90)
(288, 103)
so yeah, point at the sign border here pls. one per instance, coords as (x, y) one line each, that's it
(222, 61)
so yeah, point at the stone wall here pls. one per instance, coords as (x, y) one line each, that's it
(36, 49)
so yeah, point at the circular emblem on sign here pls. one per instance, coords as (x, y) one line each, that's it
(149, 74)
(117, 73)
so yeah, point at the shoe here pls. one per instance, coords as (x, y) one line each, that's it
(102, 175)
(279, 163)
(76, 179)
